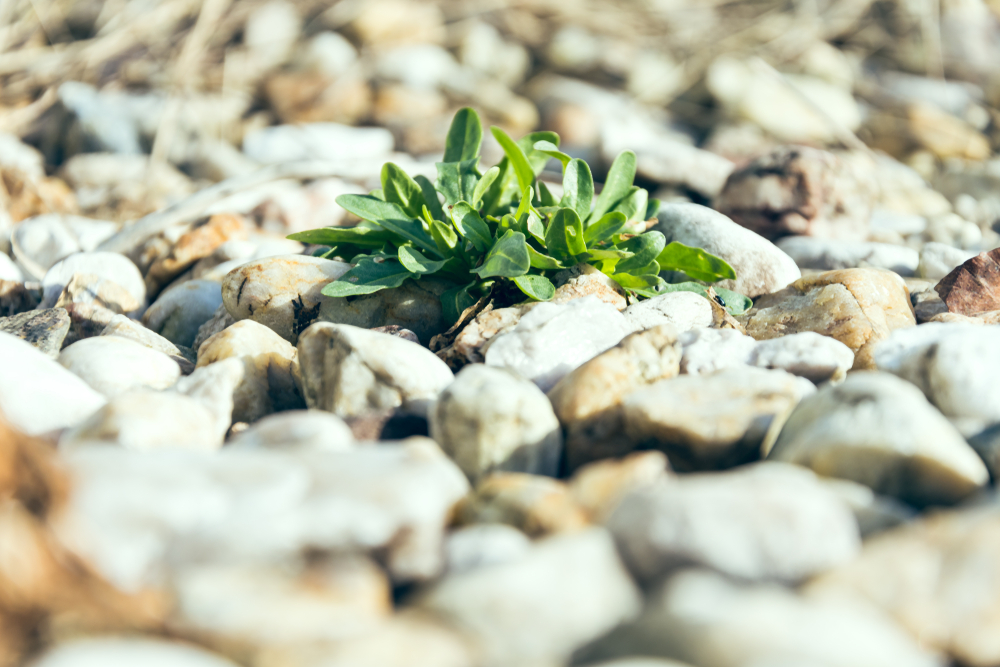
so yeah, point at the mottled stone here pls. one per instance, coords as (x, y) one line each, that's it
(973, 287)
(45, 329)
(199, 242)
(682, 310)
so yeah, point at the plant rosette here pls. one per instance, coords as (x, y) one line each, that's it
(485, 232)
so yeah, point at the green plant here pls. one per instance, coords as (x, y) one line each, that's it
(487, 231)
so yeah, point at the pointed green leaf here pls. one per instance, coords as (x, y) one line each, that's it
(603, 229)
(617, 185)
(417, 263)
(564, 236)
(695, 262)
(735, 303)
(464, 136)
(535, 227)
(545, 196)
(484, 185)
(537, 159)
(390, 217)
(399, 188)
(552, 150)
(430, 197)
(457, 180)
(444, 237)
(578, 188)
(508, 258)
(509, 222)
(540, 261)
(518, 160)
(651, 209)
(365, 235)
(455, 301)
(645, 248)
(538, 288)
(633, 206)
(368, 276)
(471, 226)
(495, 200)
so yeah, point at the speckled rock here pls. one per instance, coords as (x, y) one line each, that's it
(114, 365)
(806, 354)
(709, 350)
(180, 311)
(681, 310)
(45, 329)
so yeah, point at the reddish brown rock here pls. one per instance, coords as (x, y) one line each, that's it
(973, 287)
(799, 190)
(199, 242)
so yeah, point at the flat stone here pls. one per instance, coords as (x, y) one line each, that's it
(880, 431)
(114, 365)
(807, 354)
(45, 329)
(199, 242)
(271, 373)
(828, 254)
(297, 429)
(762, 522)
(713, 421)
(534, 504)
(180, 311)
(107, 265)
(350, 371)
(490, 419)
(681, 310)
(973, 287)
(858, 307)
(760, 266)
(588, 400)
(565, 592)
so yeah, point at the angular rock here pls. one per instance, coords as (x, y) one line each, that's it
(214, 387)
(551, 340)
(123, 327)
(828, 254)
(682, 310)
(858, 307)
(271, 375)
(416, 305)
(220, 320)
(585, 280)
(565, 592)
(682, 416)
(114, 365)
(710, 350)
(105, 265)
(880, 431)
(588, 400)
(45, 329)
(297, 429)
(534, 504)
(490, 419)
(600, 487)
(180, 311)
(484, 544)
(760, 266)
(807, 354)
(765, 522)
(798, 190)
(937, 260)
(350, 371)
(127, 652)
(469, 345)
(32, 383)
(282, 293)
(92, 290)
(199, 242)
(973, 287)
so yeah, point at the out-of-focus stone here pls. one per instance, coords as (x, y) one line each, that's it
(937, 260)
(220, 320)
(681, 310)
(179, 312)
(484, 544)
(533, 504)
(126, 652)
(105, 265)
(599, 487)
(87, 288)
(827, 254)
(123, 327)
(297, 429)
(415, 305)
(114, 365)
(199, 242)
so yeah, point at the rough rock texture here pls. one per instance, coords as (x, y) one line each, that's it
(713, 421)
(762, 522)
(470, 343)
(585, 280)
(220, 320)
(45, 329)
(858, 307)
(588, 400)
(114, 365)
(880, 431)
(761, 268)
(973, 287)
(710, 350)
(199, 242)
(798, 190)
(282, 293)
(490, 419)
(416, 305)
(350, 371)
(573, 586)
(534, 504)
(682, 310)
(807, 354)
(271, 378)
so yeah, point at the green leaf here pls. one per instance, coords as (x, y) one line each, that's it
(603, 229)
(430, 197)
(540, 261)
(617, 185)
(652, 208)
(578, 188)
(538, 288)
(365, 235)
(535, 227)
(455, 301)
(508, 258)
(552, 150)
(564, 236)
(377, 193)
(602, 255)
(457, 180)
(695, 262)
(545, 197)
(646, 285)
(484, 185)
(471, 226)
(399, 188)
(537, 159)
(735, 303)
(634, 204)
(645, 248)
(417, 263)
(390, 217)
(522, 168)
(496, 198)
(464, 136)
(368, 276)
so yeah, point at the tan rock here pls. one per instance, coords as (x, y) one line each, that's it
(989, 317)
(533, 504)
(313, 97)
(858, 307)
(585, 280)
(103, 293)
(194, 245)
(945, 135)
(598, 487)
(588, 400)
(469, 347)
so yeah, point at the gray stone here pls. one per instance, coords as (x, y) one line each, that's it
(107, 265)
(114, 365)
(763, 522)
(761, 267)
(219, 321)
(827, 254)
(484, 544)
(297, 429)
(939, 259)
(880, 431)
(415, 305)
(351, 371)
(123, 327)
(180, 311)
(490, 419)
(682, 310)
(807, 354)
(538, 609)
(45, 329)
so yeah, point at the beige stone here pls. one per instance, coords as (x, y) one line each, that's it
(858, 307)
(197, 243)
(588, 400)
(91, 289)
(585, 280)
(533, 504)
(600, 486)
